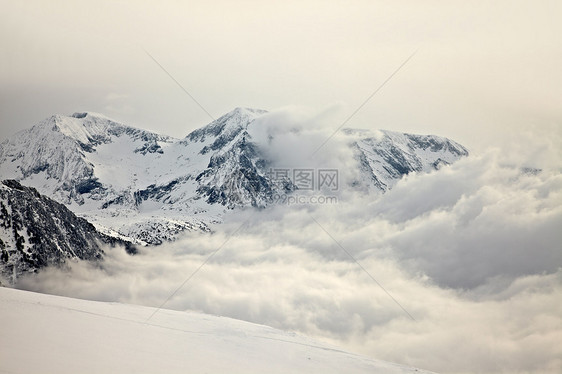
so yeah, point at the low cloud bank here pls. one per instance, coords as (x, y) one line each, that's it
(472, 252)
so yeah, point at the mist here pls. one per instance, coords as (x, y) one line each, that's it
(470, 255)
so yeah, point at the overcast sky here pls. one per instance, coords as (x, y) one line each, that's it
(481, 68)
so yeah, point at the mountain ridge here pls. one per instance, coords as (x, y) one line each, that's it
(145, 187)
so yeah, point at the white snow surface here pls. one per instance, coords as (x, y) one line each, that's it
(52, 334)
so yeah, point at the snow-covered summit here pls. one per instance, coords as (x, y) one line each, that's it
(224, 129)
(91, 129)
(58, 153)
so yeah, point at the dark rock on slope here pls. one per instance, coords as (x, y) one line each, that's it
(36, 231)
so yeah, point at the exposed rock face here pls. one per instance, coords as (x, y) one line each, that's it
(387, 156)
(237, 173)
(36, 231)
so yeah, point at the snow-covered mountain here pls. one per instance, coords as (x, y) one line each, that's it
(145, 187)
(94, 337)
(36, 231)
(385, 156)
(237, 171)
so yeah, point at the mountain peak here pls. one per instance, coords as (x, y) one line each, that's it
(228, 125)
(251, 111)
(89, 114)
(83, 126)
(90, 128)
(237, 117)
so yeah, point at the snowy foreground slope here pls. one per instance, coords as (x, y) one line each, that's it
(52, 334)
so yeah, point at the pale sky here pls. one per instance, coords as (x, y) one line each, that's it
(483, 70)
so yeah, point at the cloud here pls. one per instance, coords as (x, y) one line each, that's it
(293, 137)
(471, 252)
(296, 138)
(500, 222)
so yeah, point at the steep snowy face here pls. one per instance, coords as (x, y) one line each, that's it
(103, 171)
(45, 149)
(57, 155)
(222, 131)
(385, 156)
(36, 231)
(237, 172)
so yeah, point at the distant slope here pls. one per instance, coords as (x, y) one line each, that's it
(386, 156)
(52, 334)
(36, 231)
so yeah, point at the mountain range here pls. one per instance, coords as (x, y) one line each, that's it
(146, 188)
